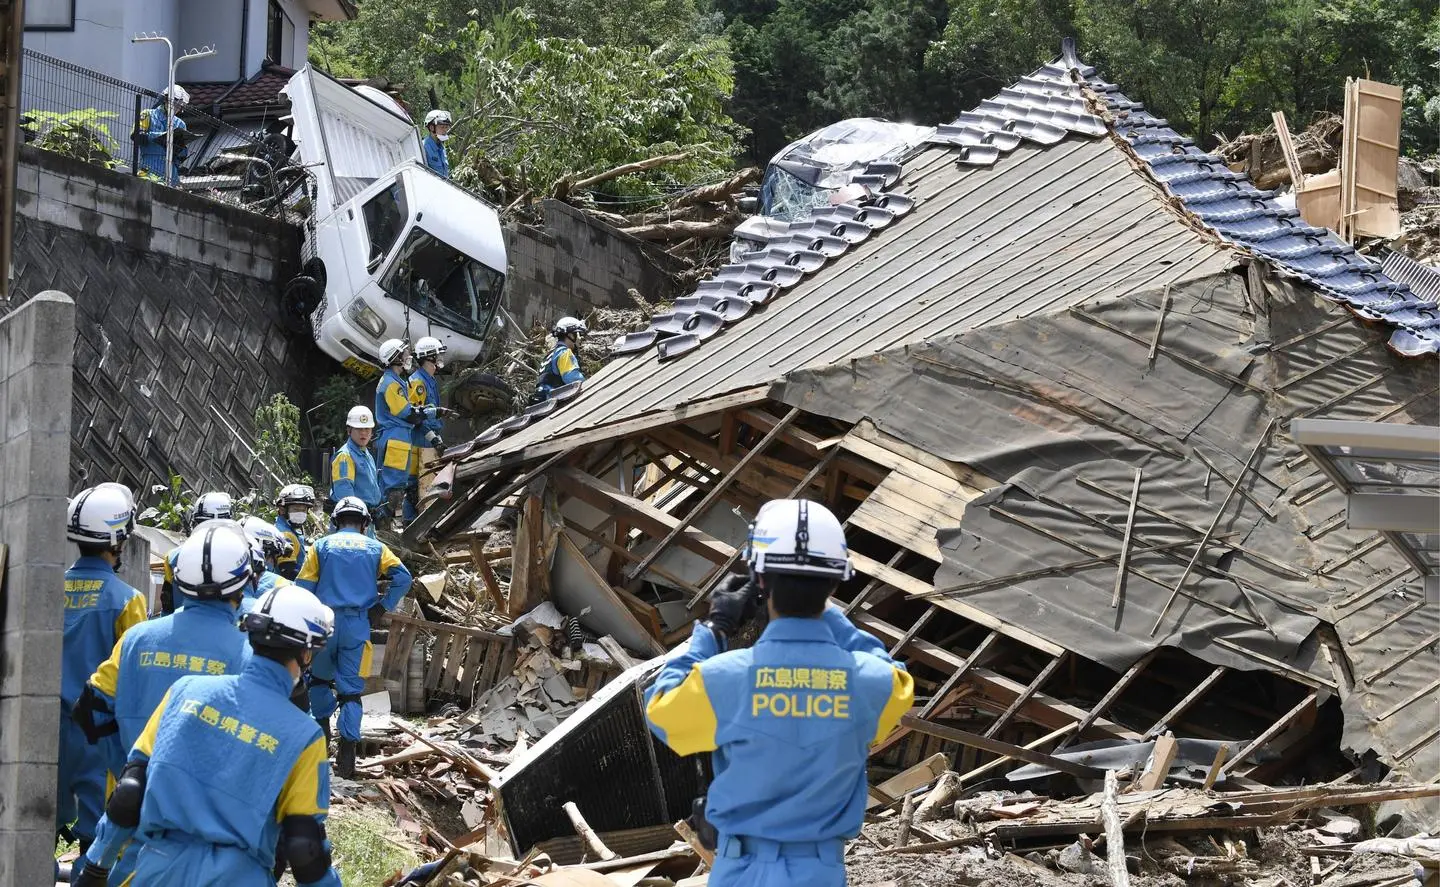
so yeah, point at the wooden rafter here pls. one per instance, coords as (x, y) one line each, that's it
(1030, 690)
(1179, 708)
(1112, 694)
(711, 495)
(647, 517)
(1273, 730)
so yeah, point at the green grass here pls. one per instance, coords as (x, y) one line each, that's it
(362, 853)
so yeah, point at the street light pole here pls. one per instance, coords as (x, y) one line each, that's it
(171, 64)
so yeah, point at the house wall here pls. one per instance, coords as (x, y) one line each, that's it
(217, 23)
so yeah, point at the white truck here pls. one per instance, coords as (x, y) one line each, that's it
(391, 249)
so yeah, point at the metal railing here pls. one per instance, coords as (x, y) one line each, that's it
(96, 118)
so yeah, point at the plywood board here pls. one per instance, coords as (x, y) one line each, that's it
(1377, 156)
(575, 586)
(1319, 202)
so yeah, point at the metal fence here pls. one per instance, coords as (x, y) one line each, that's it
(96, 118)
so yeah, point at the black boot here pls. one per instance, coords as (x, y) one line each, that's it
(345, 759)
(325, 728)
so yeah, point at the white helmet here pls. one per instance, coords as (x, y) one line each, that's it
(797, 537)
(101, 516)
(566, 326)
(298, 494)
(392, 351)
(215, 562)
(289, 617)
(263, 535)
(437, 116)
(350, 506)
(359, 417)
(177, 92)
(129, 498)
(210, 506)
(429, 348)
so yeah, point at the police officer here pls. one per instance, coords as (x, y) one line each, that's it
(424, 392)
(344, 569)
(437, 126)
(352, 469)
(225, 772)
(398, 420)
(212, 572)
(563, 365)
(293, 505)
(791, 719)
(214, 505)
(99, 609)
(150, 135)
(268, 547)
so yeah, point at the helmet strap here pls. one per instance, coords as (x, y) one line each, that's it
(802, 534)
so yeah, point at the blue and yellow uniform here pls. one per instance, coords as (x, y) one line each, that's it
(561, 368)
(424, 392)
(395, 421)
(201, 638)
(342, 570)
(99, 609)
(790, 721)
(436, 157)
(150, 136)
(352, 473)
(229, 759)
(292, 562)
(268, 580)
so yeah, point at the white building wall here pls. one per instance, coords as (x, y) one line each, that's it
(215, 23)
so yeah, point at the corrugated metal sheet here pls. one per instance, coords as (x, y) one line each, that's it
(1423, 280)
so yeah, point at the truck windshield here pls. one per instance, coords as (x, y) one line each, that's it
(444, 284)
(384, 220)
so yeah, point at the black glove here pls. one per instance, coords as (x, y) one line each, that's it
(705, 833)
(732, 604)
(438, 443)
(91, 876)
(377, 616)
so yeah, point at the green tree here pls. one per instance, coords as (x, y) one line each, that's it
(278, 445)
(988, 44)
(537, 109)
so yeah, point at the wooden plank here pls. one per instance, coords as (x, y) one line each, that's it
(470, 672)
(1159, 766)
(447, 627)
(1001, 748)
(942, 509)
(712, 495)
(645, 614)
(459, 649)
(1414, 651)
(906, 781)
(867, 431)
(647, 517)
(437, 658)
(924, 475)
(570, 442)
(397, 650)
(1044, 710)
(1030, 690)
(1125, 543)
(1424, 692)
(947, 693)
(1179, 708)
(1287, 150)
(490, 668)
(1214, 772)
(903, 529)
(1273, 730)
(623, 660)
(910, 585)
(1113, 693)
(1032, 745)
(487, 576)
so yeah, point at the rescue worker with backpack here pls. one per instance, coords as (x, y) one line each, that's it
(99, 610)
(562, 367)
(213, 570)
(791, 720)
(344, 569)
(226, 772)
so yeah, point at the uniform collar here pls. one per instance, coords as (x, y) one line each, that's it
(354, 448)
(350, 530)
(93, 563)
(420, 371)
(211, 608)
(789, 628)
(269, 673)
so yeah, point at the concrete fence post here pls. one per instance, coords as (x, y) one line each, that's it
(37, 343)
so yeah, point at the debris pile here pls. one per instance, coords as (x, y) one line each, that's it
(1260, 156)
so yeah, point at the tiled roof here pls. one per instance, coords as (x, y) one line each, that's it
(836, 269)
(261, 89)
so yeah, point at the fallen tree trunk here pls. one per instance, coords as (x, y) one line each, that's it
(721, 190)
(673, 230)
(566, 186)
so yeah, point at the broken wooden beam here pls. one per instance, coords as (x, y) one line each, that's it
(1114, 832)
(995, 746)
(587, 834)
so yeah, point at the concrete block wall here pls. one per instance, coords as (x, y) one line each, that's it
(178, 328)
(35, 380)
(149, 217)
(573, 264)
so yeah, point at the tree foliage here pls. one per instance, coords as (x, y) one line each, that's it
(1213, 67)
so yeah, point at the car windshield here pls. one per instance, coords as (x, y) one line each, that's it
(444, 284)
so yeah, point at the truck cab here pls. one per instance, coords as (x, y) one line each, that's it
(391, 249)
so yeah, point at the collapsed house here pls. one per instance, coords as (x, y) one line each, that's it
(1045, 370)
